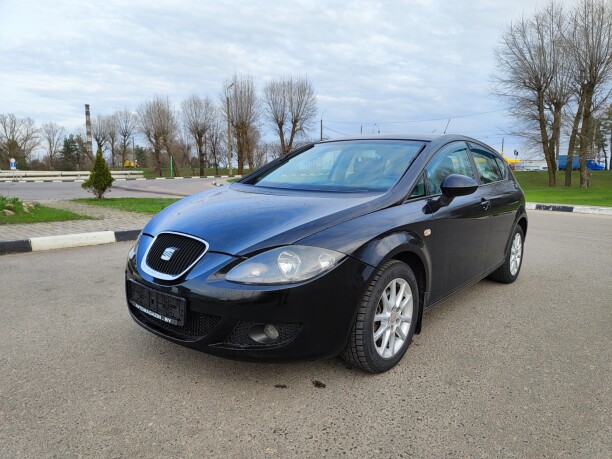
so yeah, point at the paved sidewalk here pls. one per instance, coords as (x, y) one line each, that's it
(107, 219)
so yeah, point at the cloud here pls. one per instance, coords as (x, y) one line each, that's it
(370, 62)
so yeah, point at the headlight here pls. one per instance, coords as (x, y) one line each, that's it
(284, 265)
(134, 248)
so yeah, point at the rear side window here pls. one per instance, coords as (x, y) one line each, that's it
(452, 159)
(487, 167)
(502, 166)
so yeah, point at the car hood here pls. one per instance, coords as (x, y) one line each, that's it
(240, 219)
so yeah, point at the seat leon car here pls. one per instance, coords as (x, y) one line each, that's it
(333, 249)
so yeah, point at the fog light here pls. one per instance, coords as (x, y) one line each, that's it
(271, 332)
(264, 334)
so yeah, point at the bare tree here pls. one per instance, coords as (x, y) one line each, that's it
(127, 124)
(180, 148)
(99, 131)
(267, 151)
(575, 115)
(158, 124)
(18, 138)
(215, 139)
(589, 42)
(53, 136)
(112, 125)
(606, 127)
(561, 86)
(273, 150)
(599, 142)
(257, 149)
(532, 77)
(198, 115)
(291, 106)
(243, 115)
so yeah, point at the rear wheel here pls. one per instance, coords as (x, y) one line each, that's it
(509, 271)
(386, 319)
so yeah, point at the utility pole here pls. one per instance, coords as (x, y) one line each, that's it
(322, 124)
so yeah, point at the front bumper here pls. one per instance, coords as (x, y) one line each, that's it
(314, 318)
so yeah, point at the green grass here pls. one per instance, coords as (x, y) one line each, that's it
(143, 205)
(535, 186)
(33, 213)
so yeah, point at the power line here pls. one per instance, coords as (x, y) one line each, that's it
(337, 132)
(419, 121)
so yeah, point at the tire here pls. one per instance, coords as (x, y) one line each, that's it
(509, 271)
(382, 332)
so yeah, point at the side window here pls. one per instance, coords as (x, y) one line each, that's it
(503, 166)
(487, 167)
(419, 189)
(452, 159)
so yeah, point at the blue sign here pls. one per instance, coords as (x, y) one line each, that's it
(13, 164)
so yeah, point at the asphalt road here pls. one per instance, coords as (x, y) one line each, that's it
(518, 370)
(120, 189)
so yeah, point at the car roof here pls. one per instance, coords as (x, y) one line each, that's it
(406, 136)
(437, 139)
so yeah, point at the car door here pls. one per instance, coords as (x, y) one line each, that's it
(460, 230)
(503, 196)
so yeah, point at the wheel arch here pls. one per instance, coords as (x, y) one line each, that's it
(519, 220)
(522, 222)
(420, 273)
(407, 247)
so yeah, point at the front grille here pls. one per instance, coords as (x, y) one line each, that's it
(197, 325)
(172, 254)
(240, 335)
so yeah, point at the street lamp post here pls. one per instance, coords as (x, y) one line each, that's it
(229, 132)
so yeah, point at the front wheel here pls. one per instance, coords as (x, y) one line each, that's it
(509, 271)
(386, 319)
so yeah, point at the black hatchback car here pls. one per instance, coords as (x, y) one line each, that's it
(336, 248)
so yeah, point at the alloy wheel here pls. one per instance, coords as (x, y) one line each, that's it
(516, 253)
(393, 317)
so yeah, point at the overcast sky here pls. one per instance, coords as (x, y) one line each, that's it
(374, 65)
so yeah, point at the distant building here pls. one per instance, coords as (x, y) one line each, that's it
(531, 165)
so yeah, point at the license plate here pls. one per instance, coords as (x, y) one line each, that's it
(169, 308)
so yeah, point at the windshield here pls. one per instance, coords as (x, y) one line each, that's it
(344, 166)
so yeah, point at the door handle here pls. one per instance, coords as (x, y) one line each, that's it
(485, 204)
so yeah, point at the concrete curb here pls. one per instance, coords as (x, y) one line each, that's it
(570, 208)
(37, 244)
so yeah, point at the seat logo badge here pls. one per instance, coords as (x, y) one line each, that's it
(168, 253)
(427, 232)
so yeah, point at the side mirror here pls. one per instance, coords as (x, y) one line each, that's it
(458, 185)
